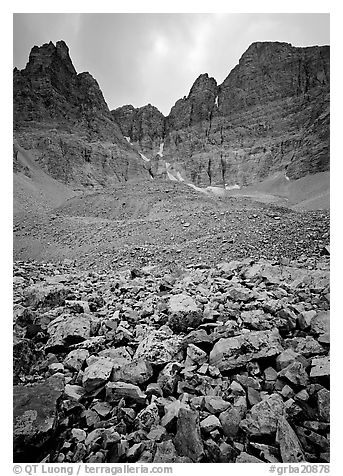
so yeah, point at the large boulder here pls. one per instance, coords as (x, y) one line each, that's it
(235, 352)
(35, 417)
(68, 329)
(159, 347)
(188, 440)
(264, 416)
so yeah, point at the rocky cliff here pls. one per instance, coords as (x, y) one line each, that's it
(271, 114)
(63, 119)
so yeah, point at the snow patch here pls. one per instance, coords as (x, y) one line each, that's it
(216, 101)
(232, 187)
(160, 152)
(143, 157)
(286, 177)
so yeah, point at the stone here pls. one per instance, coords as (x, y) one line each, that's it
(171, 412)
(68, 329)
(320, 324)
(148, 417)
(182, 303)
(286, 357)
(320, 367)
(188, 440)
(296, 374)
(119, 356)
(253, 396)
(210, 423)
(270, 374)
(45, 296)
(159, 348)
(306, 346)
(264, 416)
(323, 404)
(196, 355)
(97, 374)
(157, 433)
(75, 392)
(117, 390)
(239, 294)
(246, 458)
(75, 359)
(169, 377)
(138, 371)
(215, 404)
(230, 420)
(35, 416)
(305, 318)
(166, 453)
(102, 408)
(78, 434)
(290, 447)
(235, 352)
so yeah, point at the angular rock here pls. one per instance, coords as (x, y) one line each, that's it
(45, 296)
(188, 440)
(290, 447)
(117, 390)
(264, 416)
(323, 404)
(75, 392)
(138, 371)
(158, 348)
(75, 359)
(148, 417)
(210, 423)
(35, 417)
(97, 374)
(246, 458)
(230, 420)
(166, 453)
(195, 355)
(296, 374)
(169, 377)
(68, 329)
(235, 352)
(320, 367)
(320, 324)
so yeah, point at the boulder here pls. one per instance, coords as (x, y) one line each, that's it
(235, 352)
(290, 447)
(158, 347)
(138, 371)
(188, 440)
(75, 359)
(35, 417)
(115, 391)
(41, 295)
(97, 374)
(264, 416)
(320, 367)
(68, 329)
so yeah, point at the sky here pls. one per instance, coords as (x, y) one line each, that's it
(141, 58)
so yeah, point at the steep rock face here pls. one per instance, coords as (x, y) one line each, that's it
(63, 119)
(198, 106)
(271, 114)
(144, 125)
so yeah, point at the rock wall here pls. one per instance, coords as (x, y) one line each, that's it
(63, 119)
(271, 114)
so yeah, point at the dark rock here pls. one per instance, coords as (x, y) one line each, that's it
(188, 440)
(35, 417)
